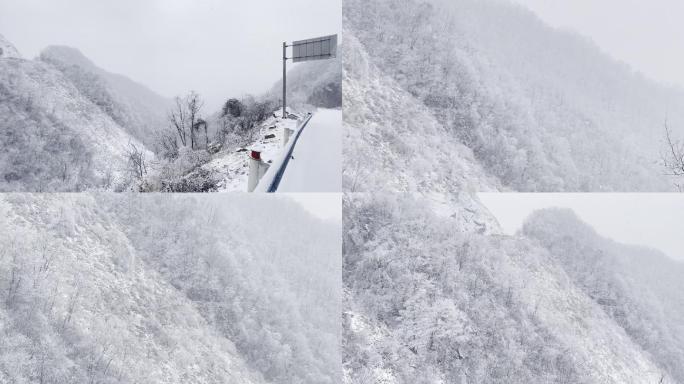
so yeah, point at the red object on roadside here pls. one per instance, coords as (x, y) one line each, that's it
(256, 155)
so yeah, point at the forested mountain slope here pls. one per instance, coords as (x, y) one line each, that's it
(392, 142)
(639, 288)
(134, 107)
(53, 137)
(314, 83)
(120, 288)
(541, 109)
(431, 299)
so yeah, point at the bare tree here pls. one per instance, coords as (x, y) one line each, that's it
(136, 161)
(673, 157)
(71, 306)
(15, 280)
(166, 144)
(64, 171)
(201, 123)
(185, 117)
(194, 104)
(179, 117)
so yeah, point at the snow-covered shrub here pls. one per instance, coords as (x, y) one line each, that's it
(239, 120)
(132, 106)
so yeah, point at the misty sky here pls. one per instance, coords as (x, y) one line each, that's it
(219, 48)
(650, 219)
(648, 35)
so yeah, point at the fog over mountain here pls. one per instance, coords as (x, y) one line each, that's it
(503, 99)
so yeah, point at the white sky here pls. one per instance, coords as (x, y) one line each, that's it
(219, 48)
(647, 34)
(327, 206)
(649, 219)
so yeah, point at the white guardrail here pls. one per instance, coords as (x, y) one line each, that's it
(271, 179)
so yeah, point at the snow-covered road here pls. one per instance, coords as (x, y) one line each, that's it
(316, 163)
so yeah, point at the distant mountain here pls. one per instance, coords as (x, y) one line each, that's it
(433, 298)
(541, 109)
(66, 125)
(133, 106)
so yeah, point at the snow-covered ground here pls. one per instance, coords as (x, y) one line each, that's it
(234, 165)
(54, 138)
(316, 163)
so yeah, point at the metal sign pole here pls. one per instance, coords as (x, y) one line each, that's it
(284, 79)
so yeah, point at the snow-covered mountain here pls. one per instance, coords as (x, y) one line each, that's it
(58, 132)
(433, 298)
(140, 111)
(540, 109)
(639, 288)
(122, 288)
(392, 142)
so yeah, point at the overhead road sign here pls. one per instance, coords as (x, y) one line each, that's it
(320, 48)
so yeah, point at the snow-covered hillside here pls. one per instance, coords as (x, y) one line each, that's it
(52, 136)
(639, 288)
(134, 107)
(391, 142)
(434, 298)
(540, 109)
(121, 288)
